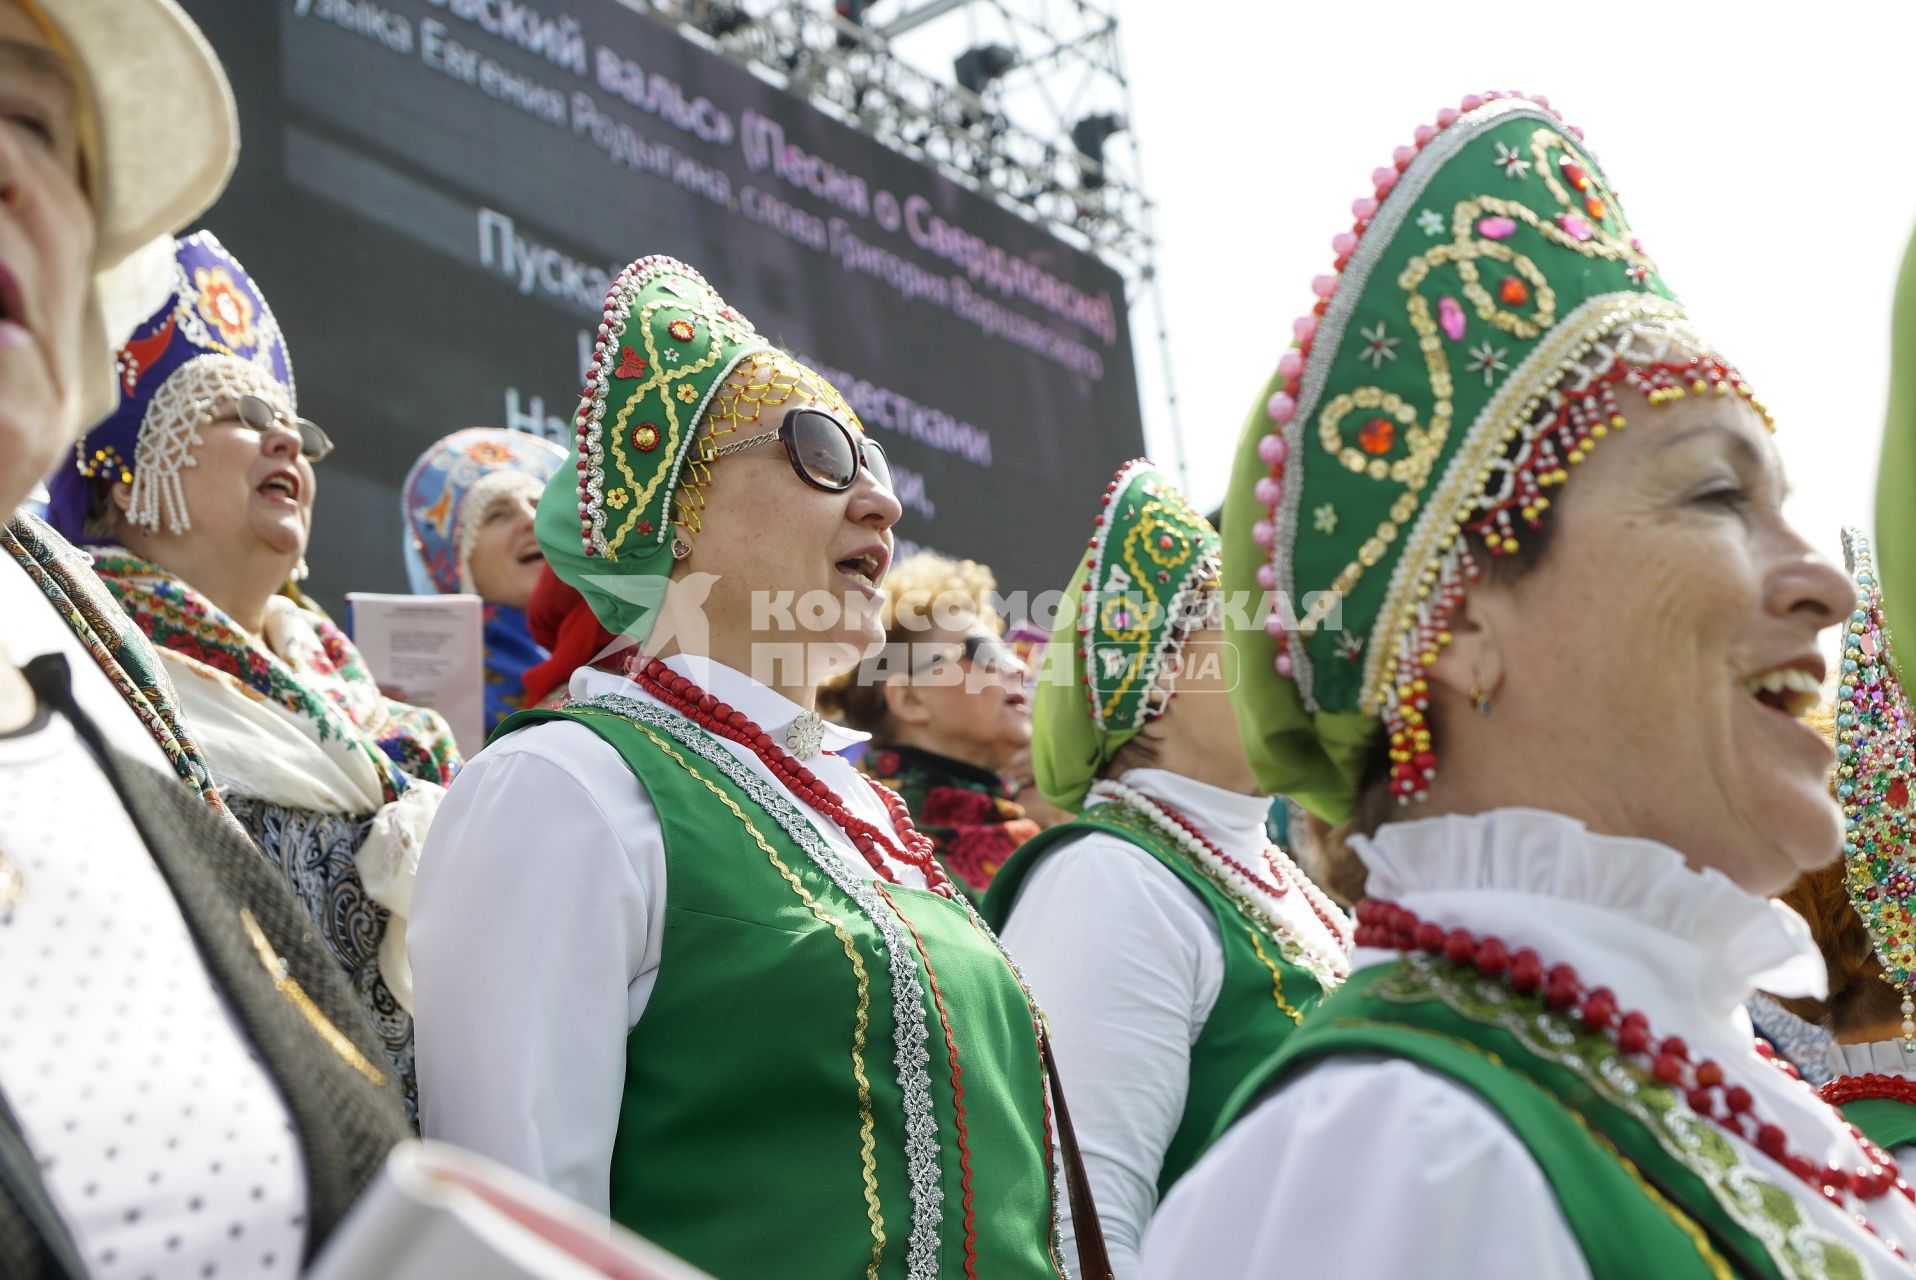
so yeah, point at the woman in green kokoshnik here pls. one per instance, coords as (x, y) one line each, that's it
(1542, 641)
(1173, 946)
(673, 955)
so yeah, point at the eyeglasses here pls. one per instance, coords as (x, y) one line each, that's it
(824, 452)
(982, 650)
(261, 416)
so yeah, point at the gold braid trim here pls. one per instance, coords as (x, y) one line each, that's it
(763, 382)
(867, 1145)
(1277, 979)
(296, 995)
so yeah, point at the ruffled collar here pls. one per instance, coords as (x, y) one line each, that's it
(770, 710)
(1229, 819)
(1878, 1057)
(1603, 903)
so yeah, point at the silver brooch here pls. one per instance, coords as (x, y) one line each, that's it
(805, 734)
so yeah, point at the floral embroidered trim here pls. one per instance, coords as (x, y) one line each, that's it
(1766, 1209)
(284, 983)
(866, 1145)
(911, 1031)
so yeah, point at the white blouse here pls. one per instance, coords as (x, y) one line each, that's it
(160, 1136)
(1298, 1186)
(536, 929)
(1126, 962)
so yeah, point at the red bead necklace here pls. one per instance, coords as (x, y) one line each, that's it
(1703, 1085)
(1277, 886)
(1845, 1089)
(701, 708)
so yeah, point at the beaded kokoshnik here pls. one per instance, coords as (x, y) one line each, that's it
(1353, 420)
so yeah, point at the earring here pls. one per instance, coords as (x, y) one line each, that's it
(1481, 697)
(680, 548)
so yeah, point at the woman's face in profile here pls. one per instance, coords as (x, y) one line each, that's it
(1657, 663)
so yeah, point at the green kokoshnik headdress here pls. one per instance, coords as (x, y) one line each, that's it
(665, 346)
(1876, 763)
(1139, 591)
(1488, 299)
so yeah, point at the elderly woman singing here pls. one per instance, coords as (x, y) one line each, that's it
(1553, 649)
(675, 956)
(196, 499)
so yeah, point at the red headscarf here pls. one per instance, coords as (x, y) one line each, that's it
(562, 622)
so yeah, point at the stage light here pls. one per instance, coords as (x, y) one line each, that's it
(719, 20)
(979, 65)
(1089, 136)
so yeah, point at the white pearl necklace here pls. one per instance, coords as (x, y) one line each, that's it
(1258, 904)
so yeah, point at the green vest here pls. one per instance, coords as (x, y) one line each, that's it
(1645, 1185)
(832, 1078)
(1884, 1121)
(1261, 1001)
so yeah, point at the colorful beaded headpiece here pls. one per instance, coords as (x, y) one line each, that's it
(1876, 763)
(448, 490)
(1146, 582)
(212, 337)
(1487, 301)
(674, 368)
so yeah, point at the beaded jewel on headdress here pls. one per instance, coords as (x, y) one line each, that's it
(213, 337)
(1486, 302)
(449, 489)
(1876, 764)
(1149, 559)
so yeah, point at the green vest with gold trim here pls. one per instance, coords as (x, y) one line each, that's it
(1260, 1002)
(832, 1078)
(1647, 1187)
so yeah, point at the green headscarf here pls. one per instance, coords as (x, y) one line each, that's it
(1129, 606)
(1487, 299)
(666, 344)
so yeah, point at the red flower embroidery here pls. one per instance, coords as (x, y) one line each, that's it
(951, 806)
(631, 364)
(885, 764)
(1377, 436)
(645, 528)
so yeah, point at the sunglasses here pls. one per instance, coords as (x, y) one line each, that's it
(261, 416)
(985, 652)
(824, 452)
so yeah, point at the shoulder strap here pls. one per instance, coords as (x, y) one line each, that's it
(1094, 1260)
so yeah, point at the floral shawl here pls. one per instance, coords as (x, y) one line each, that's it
(968, 812)
(318, 680)
(103, 629)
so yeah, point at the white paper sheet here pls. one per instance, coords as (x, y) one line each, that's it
(427, 650)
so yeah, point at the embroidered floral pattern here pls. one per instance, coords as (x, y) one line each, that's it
(1767, 1210)
(224, 306)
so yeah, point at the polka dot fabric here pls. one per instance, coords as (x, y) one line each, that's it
(159, 1134)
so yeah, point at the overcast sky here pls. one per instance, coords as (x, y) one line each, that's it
(1764, 155)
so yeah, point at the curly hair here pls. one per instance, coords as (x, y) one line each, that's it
(920, 590)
